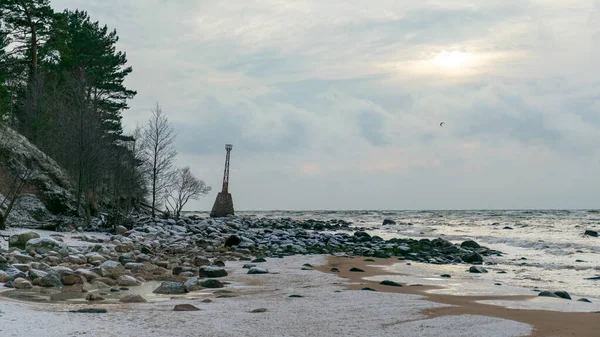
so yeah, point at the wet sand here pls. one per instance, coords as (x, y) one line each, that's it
(545, 323)
(321, 307)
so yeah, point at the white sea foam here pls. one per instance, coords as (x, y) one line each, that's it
(551, 241)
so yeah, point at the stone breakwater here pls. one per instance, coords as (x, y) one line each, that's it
(190, 254)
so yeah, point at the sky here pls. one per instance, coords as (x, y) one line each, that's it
(337, 104)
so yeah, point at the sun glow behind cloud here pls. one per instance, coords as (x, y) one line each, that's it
(453, 59)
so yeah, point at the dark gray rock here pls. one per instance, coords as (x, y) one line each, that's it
(19, 240)
(548, 294)
(358, 270)
(210, 271)
(591, 233)
(390, 283)
(212, 283)
(50, 281)
(472, 257)
(256, 270)
(14, 273)
(388, 222)
(563, 294)
(169, 287)
(185, 307)
(90, 311)
(233, 240)
(44, 245)
(477, 270)
(470, 244)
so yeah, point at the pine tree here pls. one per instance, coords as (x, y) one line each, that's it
(29, 23)
(87, 48)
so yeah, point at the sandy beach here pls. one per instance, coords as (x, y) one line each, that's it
(544, 323)
(332, 304)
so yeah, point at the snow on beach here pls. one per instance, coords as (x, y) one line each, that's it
(320, 312)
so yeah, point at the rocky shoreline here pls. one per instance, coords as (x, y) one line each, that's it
(190, 254)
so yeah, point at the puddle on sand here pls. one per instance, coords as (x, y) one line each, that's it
(75, 294)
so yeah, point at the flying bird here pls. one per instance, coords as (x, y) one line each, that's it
(442, 123)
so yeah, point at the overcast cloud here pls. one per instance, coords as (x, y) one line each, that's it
(337, 104)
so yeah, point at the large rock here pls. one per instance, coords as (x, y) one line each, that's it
(233, 240)
(120, 230)
(256, 270)
(170, 288)
(128, 281)
(50, 281)
(21, 283)
(133, 299)
(45, 245)
(212, 283)
(19, 240)
(14, 273)
(591, 233)
(112, 269)
(3, 276)
(193, 284)
(388, 222)
(472, 257)
(470, 244)
(210, 271)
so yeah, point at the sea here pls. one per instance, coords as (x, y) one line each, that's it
(542, 249)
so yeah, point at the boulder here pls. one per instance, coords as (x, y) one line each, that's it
(548, 294)
(21, 283)
(210, 271)
(388, 222)
(72, 279)
(200, 261)
(193, 284)
(256, 270)
(112, 269)
(233, 240)
(50, 281)
(390, 283)
(170, 288)
(591, 233)
(128, 281)
(45, 245)
(212, 283)
(185, 307)
(132, 299)
(477, 270)
(19, 240)
(14, 273)
(470, 244)
(120, 230)
(94, 297)
(472, 257)
(563, 294)
(3, 276)
(88, 274)
(35, 274)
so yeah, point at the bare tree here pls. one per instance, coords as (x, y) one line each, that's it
(183, 188)
(159, 152)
